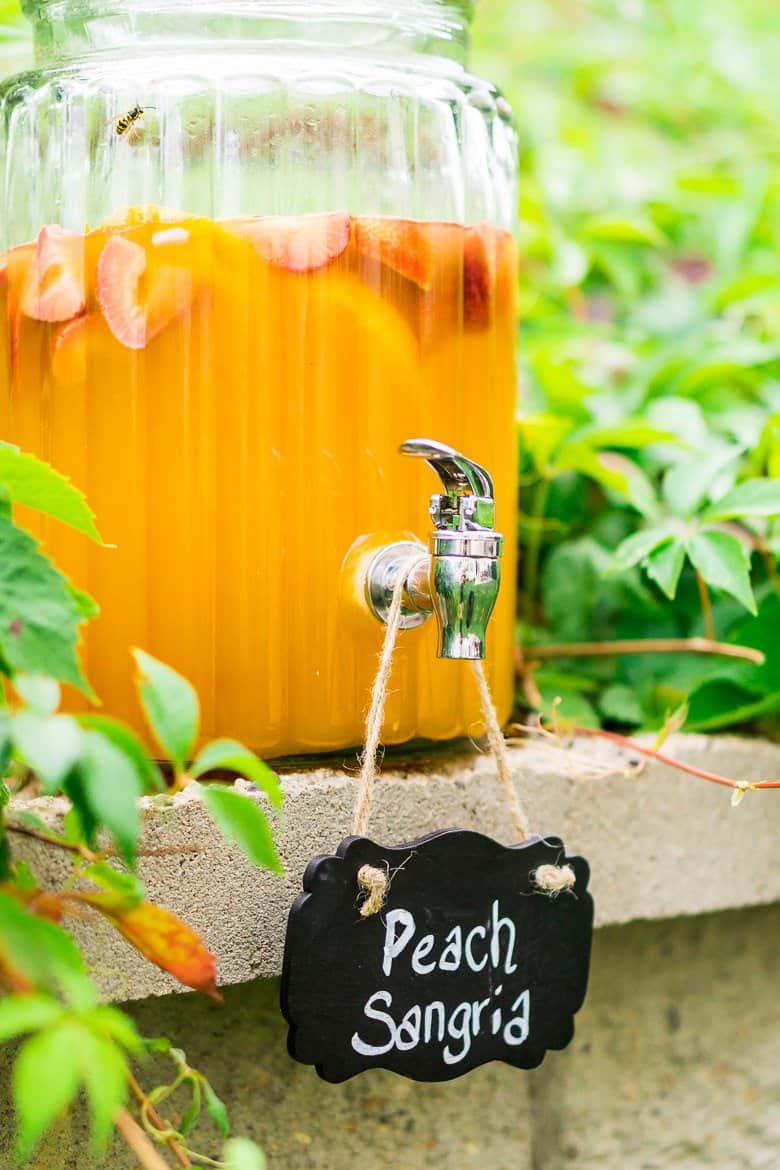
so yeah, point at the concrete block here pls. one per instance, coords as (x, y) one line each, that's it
(660, 843)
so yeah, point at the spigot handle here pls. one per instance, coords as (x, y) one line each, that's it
(459, 475)
(459, 578)
(467, 504)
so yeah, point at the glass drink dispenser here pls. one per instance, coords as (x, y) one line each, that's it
(249, 249)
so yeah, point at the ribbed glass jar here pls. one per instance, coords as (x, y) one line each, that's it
(249, 247)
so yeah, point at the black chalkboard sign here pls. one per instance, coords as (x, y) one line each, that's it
(466, 963)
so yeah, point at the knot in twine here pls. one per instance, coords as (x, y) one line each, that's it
(551, 880)
(374, 882)
(554, 879)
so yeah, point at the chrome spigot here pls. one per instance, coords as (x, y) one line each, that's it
(459, 578)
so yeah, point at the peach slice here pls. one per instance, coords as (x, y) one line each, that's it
(402, 244)
(139, 300)
(54, 286)
(299, 243)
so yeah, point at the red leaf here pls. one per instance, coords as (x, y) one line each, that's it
(164, 940)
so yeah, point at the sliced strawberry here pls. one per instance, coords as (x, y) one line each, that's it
(69, 351)
(479, 275)
(299, 243)
(139, 300)
(54, 287)
(402, 244)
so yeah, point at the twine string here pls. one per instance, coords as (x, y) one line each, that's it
(500, 752)
(373, 883)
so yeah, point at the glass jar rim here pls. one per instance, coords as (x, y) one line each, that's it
(35, 9)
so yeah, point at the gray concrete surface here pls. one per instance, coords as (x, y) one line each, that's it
(674, 1067)
(660, 843)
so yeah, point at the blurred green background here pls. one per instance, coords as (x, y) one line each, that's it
(649, 341)
(650, 298)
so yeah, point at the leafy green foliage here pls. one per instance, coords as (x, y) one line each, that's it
(229, 755)
(171, 707)
(650, 370)
(27, 480)
(240, 820)
(39, 615)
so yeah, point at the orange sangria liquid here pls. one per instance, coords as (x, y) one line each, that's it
(231, 397)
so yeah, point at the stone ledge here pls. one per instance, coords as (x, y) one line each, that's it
(661, 844)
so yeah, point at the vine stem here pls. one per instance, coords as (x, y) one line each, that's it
(646, 646)
(143, 1148)
(157, 1121)
(632, 746)
(87, 854)
(706, 607)
(79, 850)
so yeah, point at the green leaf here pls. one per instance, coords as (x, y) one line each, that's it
(570, 586)
(43, 953)
(111, 788)
(620, 704)
(171, 707)
(755, 497)
(239, 819)
(40, 693)
(720, 704)
(27, 1013)
(39, 619)
(86, 605)
(216, 1109)
(123, 738)
(49, 746)
(46, 1077)
(125, 887)
(192, 1112)
(631, 433)
(687, 484)
(724, 563)
(234, 757)
(241, 1154)
(664, 565)
(674, 722)
(625, 229)
(31, 482)
(638, 546)
(114, 1023)
(541, 435)
(105, 1080)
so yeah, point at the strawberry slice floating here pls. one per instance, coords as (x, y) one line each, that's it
(403, 245)
(299, 243)
(138, 299)
(479, 274)
(53, 289)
